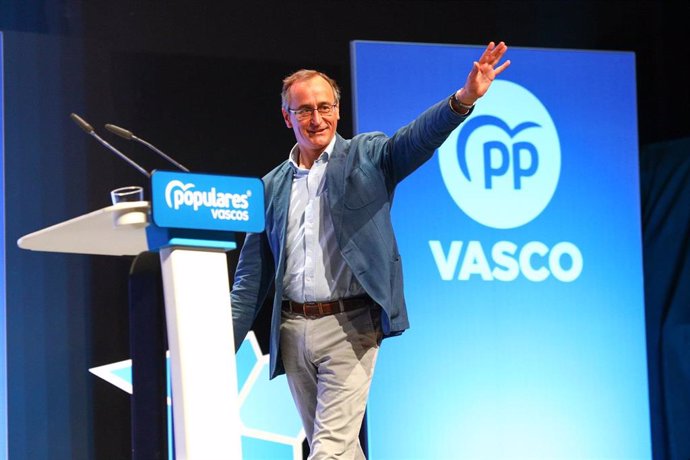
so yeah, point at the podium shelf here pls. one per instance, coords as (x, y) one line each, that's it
(117, 230)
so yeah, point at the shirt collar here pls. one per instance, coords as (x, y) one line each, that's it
(294, 154)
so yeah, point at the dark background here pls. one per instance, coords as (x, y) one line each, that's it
(202, 81)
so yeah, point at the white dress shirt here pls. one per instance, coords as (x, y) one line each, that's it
(315, 270)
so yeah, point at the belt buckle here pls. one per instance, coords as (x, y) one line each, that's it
(316, 309)
(308, 309)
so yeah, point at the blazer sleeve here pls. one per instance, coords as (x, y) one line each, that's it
(412, 145)
(253, 279)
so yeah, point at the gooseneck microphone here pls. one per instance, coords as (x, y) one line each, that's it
(89, 130)
(126, 134)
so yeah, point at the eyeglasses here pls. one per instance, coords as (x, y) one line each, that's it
(308, 112)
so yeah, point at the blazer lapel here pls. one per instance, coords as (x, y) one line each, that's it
(335, 175)
(280, 200)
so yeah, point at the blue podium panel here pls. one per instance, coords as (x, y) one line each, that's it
(521, 248)
(207, 202)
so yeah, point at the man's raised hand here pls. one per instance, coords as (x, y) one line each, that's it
(483, 73)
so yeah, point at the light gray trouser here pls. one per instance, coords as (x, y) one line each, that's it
(329, 363)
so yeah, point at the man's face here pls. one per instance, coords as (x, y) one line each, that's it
(315, 132)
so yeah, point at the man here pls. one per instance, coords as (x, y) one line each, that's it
(329, 250)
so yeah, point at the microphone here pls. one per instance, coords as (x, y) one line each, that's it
(126, 134)
(89, 130)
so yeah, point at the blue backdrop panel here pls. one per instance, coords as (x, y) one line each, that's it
(521, 248)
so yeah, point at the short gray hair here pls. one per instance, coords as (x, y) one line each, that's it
(303, 75)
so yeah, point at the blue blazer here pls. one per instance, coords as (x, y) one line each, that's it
(362, 174)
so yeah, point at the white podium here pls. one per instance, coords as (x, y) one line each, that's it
(198, 319)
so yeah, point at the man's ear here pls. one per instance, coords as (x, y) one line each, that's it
(286, 117)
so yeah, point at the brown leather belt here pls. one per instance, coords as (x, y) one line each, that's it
(319, 309)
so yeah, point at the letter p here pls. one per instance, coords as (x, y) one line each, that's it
(489, 169)
(518, 170)
(178, 198)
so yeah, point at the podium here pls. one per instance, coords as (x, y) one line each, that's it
(190, 223)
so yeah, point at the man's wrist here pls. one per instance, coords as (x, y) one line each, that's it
(458, 106)
(465, 99)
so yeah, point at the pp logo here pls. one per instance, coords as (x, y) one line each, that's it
(503, 170)
(177, 188)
